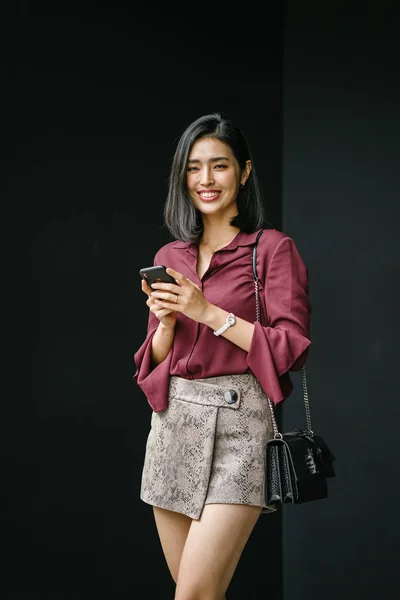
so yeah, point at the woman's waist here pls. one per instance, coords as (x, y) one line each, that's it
(221, 390)
(204, 363)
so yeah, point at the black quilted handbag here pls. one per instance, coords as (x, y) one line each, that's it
(298, 463)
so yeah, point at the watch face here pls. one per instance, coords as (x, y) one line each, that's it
(231, 319)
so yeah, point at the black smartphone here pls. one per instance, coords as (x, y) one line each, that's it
(158, 273)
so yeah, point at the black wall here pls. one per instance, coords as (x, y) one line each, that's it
(95, 99)
(341, 203)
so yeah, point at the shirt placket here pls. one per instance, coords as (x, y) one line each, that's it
(214, 264)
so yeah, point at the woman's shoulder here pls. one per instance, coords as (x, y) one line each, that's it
(165, 251)
(277, 245)
(272, 238)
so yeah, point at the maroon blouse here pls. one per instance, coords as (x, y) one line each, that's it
(279, 344)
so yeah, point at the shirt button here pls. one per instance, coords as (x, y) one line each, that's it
(230, 397)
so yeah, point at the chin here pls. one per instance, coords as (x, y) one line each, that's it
(208, 209)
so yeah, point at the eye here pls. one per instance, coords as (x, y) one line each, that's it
(220, 166)
(191, 169)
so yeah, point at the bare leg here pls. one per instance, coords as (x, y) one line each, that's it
(172, 529)
(212, 550)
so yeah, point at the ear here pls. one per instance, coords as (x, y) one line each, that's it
(246, 172)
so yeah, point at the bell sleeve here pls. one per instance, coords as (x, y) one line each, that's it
(281, 345)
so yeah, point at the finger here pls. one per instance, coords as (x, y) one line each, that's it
(163, 313)
(145, 287)
(151, 301)
(193, 283)
(176, 275)
(166, 287)
(171, 306)
(168, 296)
(160, 312)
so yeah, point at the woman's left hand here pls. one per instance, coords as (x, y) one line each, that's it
(185, 296)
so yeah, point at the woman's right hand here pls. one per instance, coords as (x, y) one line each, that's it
(166, 317)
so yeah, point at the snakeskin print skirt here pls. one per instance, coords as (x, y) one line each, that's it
(208, 446)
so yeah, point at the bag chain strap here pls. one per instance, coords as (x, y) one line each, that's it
(277, 434)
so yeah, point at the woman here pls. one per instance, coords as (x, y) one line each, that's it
(207, 366)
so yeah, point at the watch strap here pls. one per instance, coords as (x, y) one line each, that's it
(229, 321)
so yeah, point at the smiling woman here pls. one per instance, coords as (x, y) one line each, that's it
(214, 178)
(207, 366)
(231, 151)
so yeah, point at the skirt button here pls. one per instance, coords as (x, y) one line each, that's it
(230, 397)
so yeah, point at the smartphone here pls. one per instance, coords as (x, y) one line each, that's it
(155, 274)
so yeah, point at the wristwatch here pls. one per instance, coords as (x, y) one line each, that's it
(230, 320)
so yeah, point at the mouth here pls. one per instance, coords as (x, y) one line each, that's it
(209, 195)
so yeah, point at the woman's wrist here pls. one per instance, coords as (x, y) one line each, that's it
(241, 334)
(162, 343)
(166, 328)
(215, 317)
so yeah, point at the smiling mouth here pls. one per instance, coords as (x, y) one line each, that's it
(208, 196)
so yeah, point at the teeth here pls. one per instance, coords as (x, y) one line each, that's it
(208, 195)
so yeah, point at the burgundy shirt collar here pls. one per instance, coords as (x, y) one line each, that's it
(241, 239)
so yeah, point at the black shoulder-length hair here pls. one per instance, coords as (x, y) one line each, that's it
(181, 218)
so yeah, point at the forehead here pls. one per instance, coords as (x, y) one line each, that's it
(206, 148)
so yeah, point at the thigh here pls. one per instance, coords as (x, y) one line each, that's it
(172, 529)
(213, 548)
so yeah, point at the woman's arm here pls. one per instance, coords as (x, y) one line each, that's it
(161, 343)
(241, 334)
(163, 338)
(191, 302)
(281, 344)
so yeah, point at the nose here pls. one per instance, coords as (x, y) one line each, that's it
(206, 176)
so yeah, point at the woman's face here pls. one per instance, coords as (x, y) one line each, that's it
(214, 177)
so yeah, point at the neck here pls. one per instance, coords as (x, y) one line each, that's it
(217, 237)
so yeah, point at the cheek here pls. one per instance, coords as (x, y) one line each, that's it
(190, 182)
(230, 184)
(192, 194)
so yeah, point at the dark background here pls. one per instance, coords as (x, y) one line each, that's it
(99, 94)
(95, 96)
(341, 204)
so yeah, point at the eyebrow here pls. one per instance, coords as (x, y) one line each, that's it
(213, 159)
